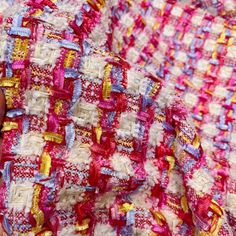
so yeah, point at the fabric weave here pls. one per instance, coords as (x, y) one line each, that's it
(95, 139)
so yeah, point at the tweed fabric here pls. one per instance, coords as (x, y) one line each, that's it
(93, 144)
(195, 51)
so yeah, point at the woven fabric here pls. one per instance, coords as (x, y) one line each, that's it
(196, 52)
(94, 144)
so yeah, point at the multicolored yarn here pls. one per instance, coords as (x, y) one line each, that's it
(95, 145)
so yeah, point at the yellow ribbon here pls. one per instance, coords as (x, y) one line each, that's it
(46, 233)
(184, 204)
(98, 131)
(10, 82)
(58, 107)
(158, 216)
(7, 126)
(216, 208)
(83, 226)
(106, 90)
(45, 164)
(216, 224)
(125, 143)
(126, 207)
(229, 26)
(38, 12)
(97, 3)
(189, 83)
(69, 58)
(35, 211)
(171, 161)
(156, 26)
(20, 49)
(53, 137)
(231, 41)
(221, 39)
(155, 89)
(196, 142)
(129, 30)
(214, 56)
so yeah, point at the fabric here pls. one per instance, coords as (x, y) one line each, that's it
(94, 142)
(195, 51)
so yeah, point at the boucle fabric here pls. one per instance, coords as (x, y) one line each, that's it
(195, 51)
(94, 144)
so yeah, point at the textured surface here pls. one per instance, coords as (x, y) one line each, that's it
(194, 51)
(95, 145)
